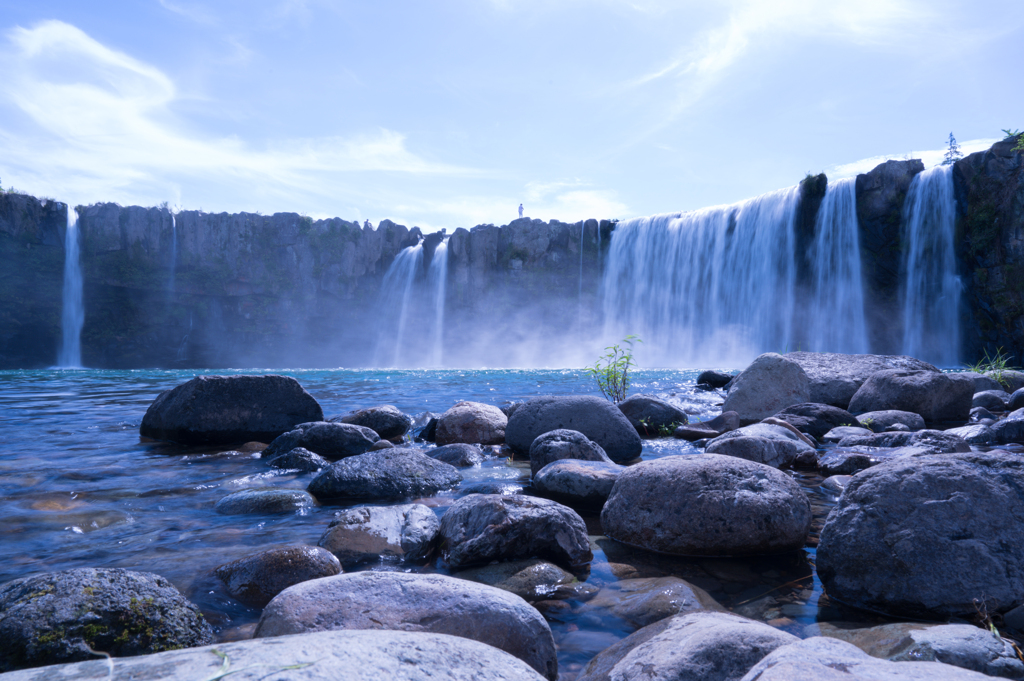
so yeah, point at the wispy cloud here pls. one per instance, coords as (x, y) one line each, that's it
(192, 11)
(930, 157)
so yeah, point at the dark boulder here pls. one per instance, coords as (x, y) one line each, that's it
(652, 416)
(332, 441)
(459, 454)
(1016, 400)
(395, 473)
(816, 419)
(300, 459)
(993, 400)
(713, 378)
(386, 420)
(598, 419)
(265, 500)
(1010, 429)
(933, 395)
(702, 430)
(256, 579)
(563, 444)
(229, 409)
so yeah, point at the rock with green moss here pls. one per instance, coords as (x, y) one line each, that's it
(63, 616)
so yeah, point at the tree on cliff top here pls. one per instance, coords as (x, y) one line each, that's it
(953, 154)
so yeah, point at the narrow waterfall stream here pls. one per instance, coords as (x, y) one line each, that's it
(73, 311)
(437, 277)
(394, 305)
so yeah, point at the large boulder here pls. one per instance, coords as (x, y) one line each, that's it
(765, 443)
(816, 419)
(332, 441)
(770, 384)
(933, 395)
(928, 536)
(401, 534)
(707, 505)
(829, 659)
(479, 528)
(471, 422)
(835, 378)
(584, 484)
(938, 441)
(710, 646)
(557, 445)
(229, 409)
(651, 415)
(58, 616)
(646, 600)
(386, 420)
(418, 603)
(598, 419)
(394, 473)
(257, 578)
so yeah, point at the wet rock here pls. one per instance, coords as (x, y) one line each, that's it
(415, 603)
(531, 579)
(57, 616)
(980, 414)
(471, 422)
(828, 658)
(300, 459)
(562, 444)
(1010, 429)
(1016, 400)
(386, 420)
(229, 409)
(332, 441)
(940, 442)
(816, 419)
(764, 443)
(934, 396)
(381, 444)
(837, 434)
(395, 473)
(402, 534)
(256, 579)
(715, 379)
(646, 600)
(924, 536)
(599, 420)
(879, 421)
(993, 400)
(770, 384)
(480, 528)
(651, 415)
(707, 505)
(847, 461)
(710, 646)
(265, 500)
(702, 430)
(975, 434)
(460, 455)
(579, 484)
(835, 378)
(897, 428)
(835, 484)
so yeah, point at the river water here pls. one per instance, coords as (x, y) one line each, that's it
(80, 488)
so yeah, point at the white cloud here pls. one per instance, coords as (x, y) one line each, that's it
(931, 157)
(191, 11)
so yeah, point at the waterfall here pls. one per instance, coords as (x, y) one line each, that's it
(437, 279)
(174, 254)
(73, 312)
(717, 284)
(394, 305)
(836, 321)
(930, 288)
(579, 311)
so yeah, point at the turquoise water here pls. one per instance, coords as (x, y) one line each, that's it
(79, 488)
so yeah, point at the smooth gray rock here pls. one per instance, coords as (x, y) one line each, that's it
(879, 421)
(386, 420)
(834, 377)
(402, 534)
(257, 578)
(975, 434)
(332, 441)
(939, 441)
(924, 536)
(395, 473)
(300, 459)
(764, 443)
(646, 600)
(598, 419)
(650, 415)
(993, 400)
(708, 505)
(531, 579)
(561, 444)
(934, 396)
(265, 500)
(770, 384)
(983, 382)
(56, 617)
(1016, 400)
(829, 659)
(471, 422)
(837, 434)
(709, 646)
(417, 603)
(702, 430)
(575, 483)
(479, 528)
(229, 409)
(459, 454)
(817, 419)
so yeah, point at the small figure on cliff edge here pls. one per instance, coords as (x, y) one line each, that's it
(367, 225)
(520, 210)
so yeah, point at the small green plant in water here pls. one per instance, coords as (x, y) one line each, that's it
(612, 370)
(996, 365)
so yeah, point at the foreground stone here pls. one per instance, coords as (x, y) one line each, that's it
(816, 419)
(707, 505)
(651, 415)
(265, 500)
(709, 646)
(256, 579)
(403, 534)
(415, 603)
(769, 444)
(646, 600)
(584, 484)
(925, 536)
(829, 659)
(362, 655)
(835, 378)
(598, 419)
(229, 409)
(770, 384)
(934, 396)
(56, 617)
(703, 430)
(395, 473)
(479, 528)
(472, 423)
(386, 420)
(332, 441)
(557, 445)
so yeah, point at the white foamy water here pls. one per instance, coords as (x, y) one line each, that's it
(73, 311)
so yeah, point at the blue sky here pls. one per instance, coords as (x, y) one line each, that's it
(450, 113)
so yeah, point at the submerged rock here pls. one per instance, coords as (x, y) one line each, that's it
(386, 420)
(403, 534)
(646, 600)
(265, 500)
(395, 473)
(257, 578)
(332, 441)
(599, 420)
(938, 441)
(300, 459)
